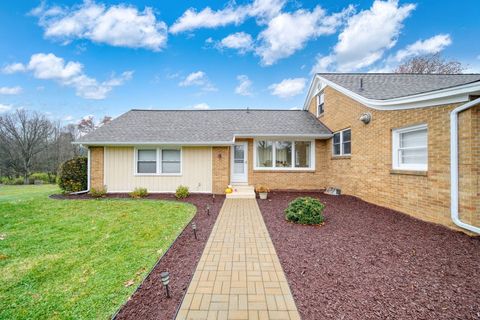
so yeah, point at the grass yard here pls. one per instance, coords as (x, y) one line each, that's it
(78, 259)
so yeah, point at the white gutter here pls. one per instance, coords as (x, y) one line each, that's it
(454, 165)
(88, 175)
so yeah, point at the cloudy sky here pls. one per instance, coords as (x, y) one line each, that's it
(70, 59)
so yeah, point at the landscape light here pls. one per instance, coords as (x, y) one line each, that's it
(194, 227)
(165, 276)
(208, 210)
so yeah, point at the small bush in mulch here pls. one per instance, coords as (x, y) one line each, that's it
(72, 176)
(139, 193)
(305, 210)
(98, 193)
(182, 192)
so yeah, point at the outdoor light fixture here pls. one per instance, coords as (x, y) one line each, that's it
(213, 198)
(194, 227)
(208, 210)
(165, 276)
(366, 117)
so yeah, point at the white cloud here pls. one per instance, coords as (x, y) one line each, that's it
(288, 87)
(13, 68)
(117, 25)
(5, 107)
(68, 118)
(201, 106)
(11, 90)
(431, 45)
(244, 87)
(231, 14)
(289, 32)
(199, 79)
(240, 41)
(366, 37)
(70, 74)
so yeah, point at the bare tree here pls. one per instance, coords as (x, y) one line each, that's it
(106, 120)
(23, 135)
(88, 124)
(427, 64)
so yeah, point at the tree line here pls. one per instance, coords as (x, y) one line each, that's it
(31, 142)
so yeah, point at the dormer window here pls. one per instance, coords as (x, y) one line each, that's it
(320, 103)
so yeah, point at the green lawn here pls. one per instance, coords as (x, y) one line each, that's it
(75, 259)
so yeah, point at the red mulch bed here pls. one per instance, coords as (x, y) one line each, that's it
(149, 300)
(369, 262)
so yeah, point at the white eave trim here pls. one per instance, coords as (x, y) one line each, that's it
(422, 100)
(196, 143)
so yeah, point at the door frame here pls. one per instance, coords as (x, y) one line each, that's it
(245, 162)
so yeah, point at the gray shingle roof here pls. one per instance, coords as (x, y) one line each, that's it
(204, 126)
(383, 86)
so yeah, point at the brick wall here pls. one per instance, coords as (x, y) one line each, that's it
(367, 173)
(96, 167)
(221, 169)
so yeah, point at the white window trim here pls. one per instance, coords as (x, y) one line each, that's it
(318, 104)
(342, 154)
(396, 165)
(292, 168)
(158, 160)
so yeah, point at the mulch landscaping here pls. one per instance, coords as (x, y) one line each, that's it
(149, 300)
(369, 262)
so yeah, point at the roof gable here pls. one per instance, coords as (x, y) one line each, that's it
(392, 91)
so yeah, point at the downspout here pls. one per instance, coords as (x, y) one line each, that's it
(88, 176)
(454, 165)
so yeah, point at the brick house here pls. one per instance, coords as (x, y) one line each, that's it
(390, 139)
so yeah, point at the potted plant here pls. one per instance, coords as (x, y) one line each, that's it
(263, 192)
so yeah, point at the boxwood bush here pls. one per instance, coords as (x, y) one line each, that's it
(138, 193)
(72, 175)
(305, 210)
(182, 192)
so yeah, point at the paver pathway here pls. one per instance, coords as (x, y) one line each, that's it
(239, 275)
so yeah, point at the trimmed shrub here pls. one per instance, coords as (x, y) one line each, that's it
(42, 176)
(98, 193)
(182, 192)
(72, 175)
(12, 181)
(139, 193)
(305, 210)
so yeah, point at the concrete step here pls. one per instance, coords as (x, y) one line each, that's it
(242, 192)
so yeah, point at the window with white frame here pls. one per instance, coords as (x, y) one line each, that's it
(284, 154)
(410, 148)
(342, 143)
(158, 161)
(320, 103)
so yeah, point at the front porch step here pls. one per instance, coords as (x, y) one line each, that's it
(242, 192)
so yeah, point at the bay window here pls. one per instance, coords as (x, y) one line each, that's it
(410, 148)
(284, 155)
(157, 161)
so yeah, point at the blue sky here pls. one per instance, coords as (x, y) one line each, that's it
(72, 58)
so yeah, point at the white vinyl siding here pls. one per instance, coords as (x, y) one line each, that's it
(196, 170)
(410, 148)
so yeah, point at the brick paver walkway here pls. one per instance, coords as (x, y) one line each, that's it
(239, 275)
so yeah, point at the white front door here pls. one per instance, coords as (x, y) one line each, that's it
(239, 162)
